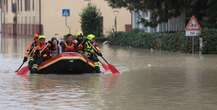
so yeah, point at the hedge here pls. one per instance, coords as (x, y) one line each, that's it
(166, 41)
(210, 41)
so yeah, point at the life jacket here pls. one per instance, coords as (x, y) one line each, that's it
(69, 48)
(42, 49)
(89, 48)
(30, 48)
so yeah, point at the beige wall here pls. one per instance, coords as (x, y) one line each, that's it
(8, 15)
(23, 17)
(27, 20)
(28, 17)
(54, 23)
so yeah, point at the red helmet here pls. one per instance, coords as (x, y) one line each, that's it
(36, 35)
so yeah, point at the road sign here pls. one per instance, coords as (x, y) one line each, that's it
(65, 12)
(193, 27)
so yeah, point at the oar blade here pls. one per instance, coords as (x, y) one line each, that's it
(113, 69)
(105, 67)
(23, 71)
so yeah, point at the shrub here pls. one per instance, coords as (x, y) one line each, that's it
(91, 21)
(210, 41)
(166, 41)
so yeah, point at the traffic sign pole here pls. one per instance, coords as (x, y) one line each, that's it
(66, 24)
(192, 44)
(66, 14)
(201, 44)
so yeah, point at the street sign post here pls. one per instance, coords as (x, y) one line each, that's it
(193, 29)
(66, 14)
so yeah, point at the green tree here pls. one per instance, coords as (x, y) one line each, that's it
(211, 20)
(162, 10)
(91, 21)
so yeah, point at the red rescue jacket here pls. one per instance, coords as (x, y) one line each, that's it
(70, 47)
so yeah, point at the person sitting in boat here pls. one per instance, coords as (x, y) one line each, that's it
(41, 53)
(91, 50)
(54, 46)
(30, 47)
(69, 45)
(79, 38)
(80, 42)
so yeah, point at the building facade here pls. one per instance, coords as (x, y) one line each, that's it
(20, 17)
(173, 25)
(24, 17)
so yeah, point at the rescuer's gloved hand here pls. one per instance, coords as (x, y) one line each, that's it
(100, 54)
(25, 59)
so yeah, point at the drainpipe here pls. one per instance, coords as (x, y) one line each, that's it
(40, 25)
(132, 20)
(15, 19)
(1, 15)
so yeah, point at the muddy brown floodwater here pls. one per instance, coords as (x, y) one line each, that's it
(149, 80)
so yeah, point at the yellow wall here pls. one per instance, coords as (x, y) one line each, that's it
(23, 17)
(54, 23)
(8, 15)
(28, 17)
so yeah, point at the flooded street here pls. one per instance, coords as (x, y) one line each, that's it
(149, 80)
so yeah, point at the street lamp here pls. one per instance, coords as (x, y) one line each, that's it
(116, 12)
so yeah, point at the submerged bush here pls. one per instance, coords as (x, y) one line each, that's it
(166, 41)
(210, 41)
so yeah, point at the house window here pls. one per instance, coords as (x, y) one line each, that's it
(13, 6)
(146, 29)
(26, 5)
(6, 2)
(33, 5)
(18, 5)
(29, 5)
(21, 5)
(145, 14)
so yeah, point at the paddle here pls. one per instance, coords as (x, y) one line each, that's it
(104, 66)
(24, 61)
(109, 66)
(25, 69)
(20, 66)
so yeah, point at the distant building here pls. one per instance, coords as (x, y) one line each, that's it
(21, 17)
(173, 24)
(24, 17)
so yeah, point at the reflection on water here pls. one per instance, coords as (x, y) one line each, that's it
(149, 81)
(13, 47)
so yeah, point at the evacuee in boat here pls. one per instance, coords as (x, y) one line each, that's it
(79, 38)
(30, 47)
(91, 50)
(54, 47)
(41, 53)
(80, 42)
(69, 45)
